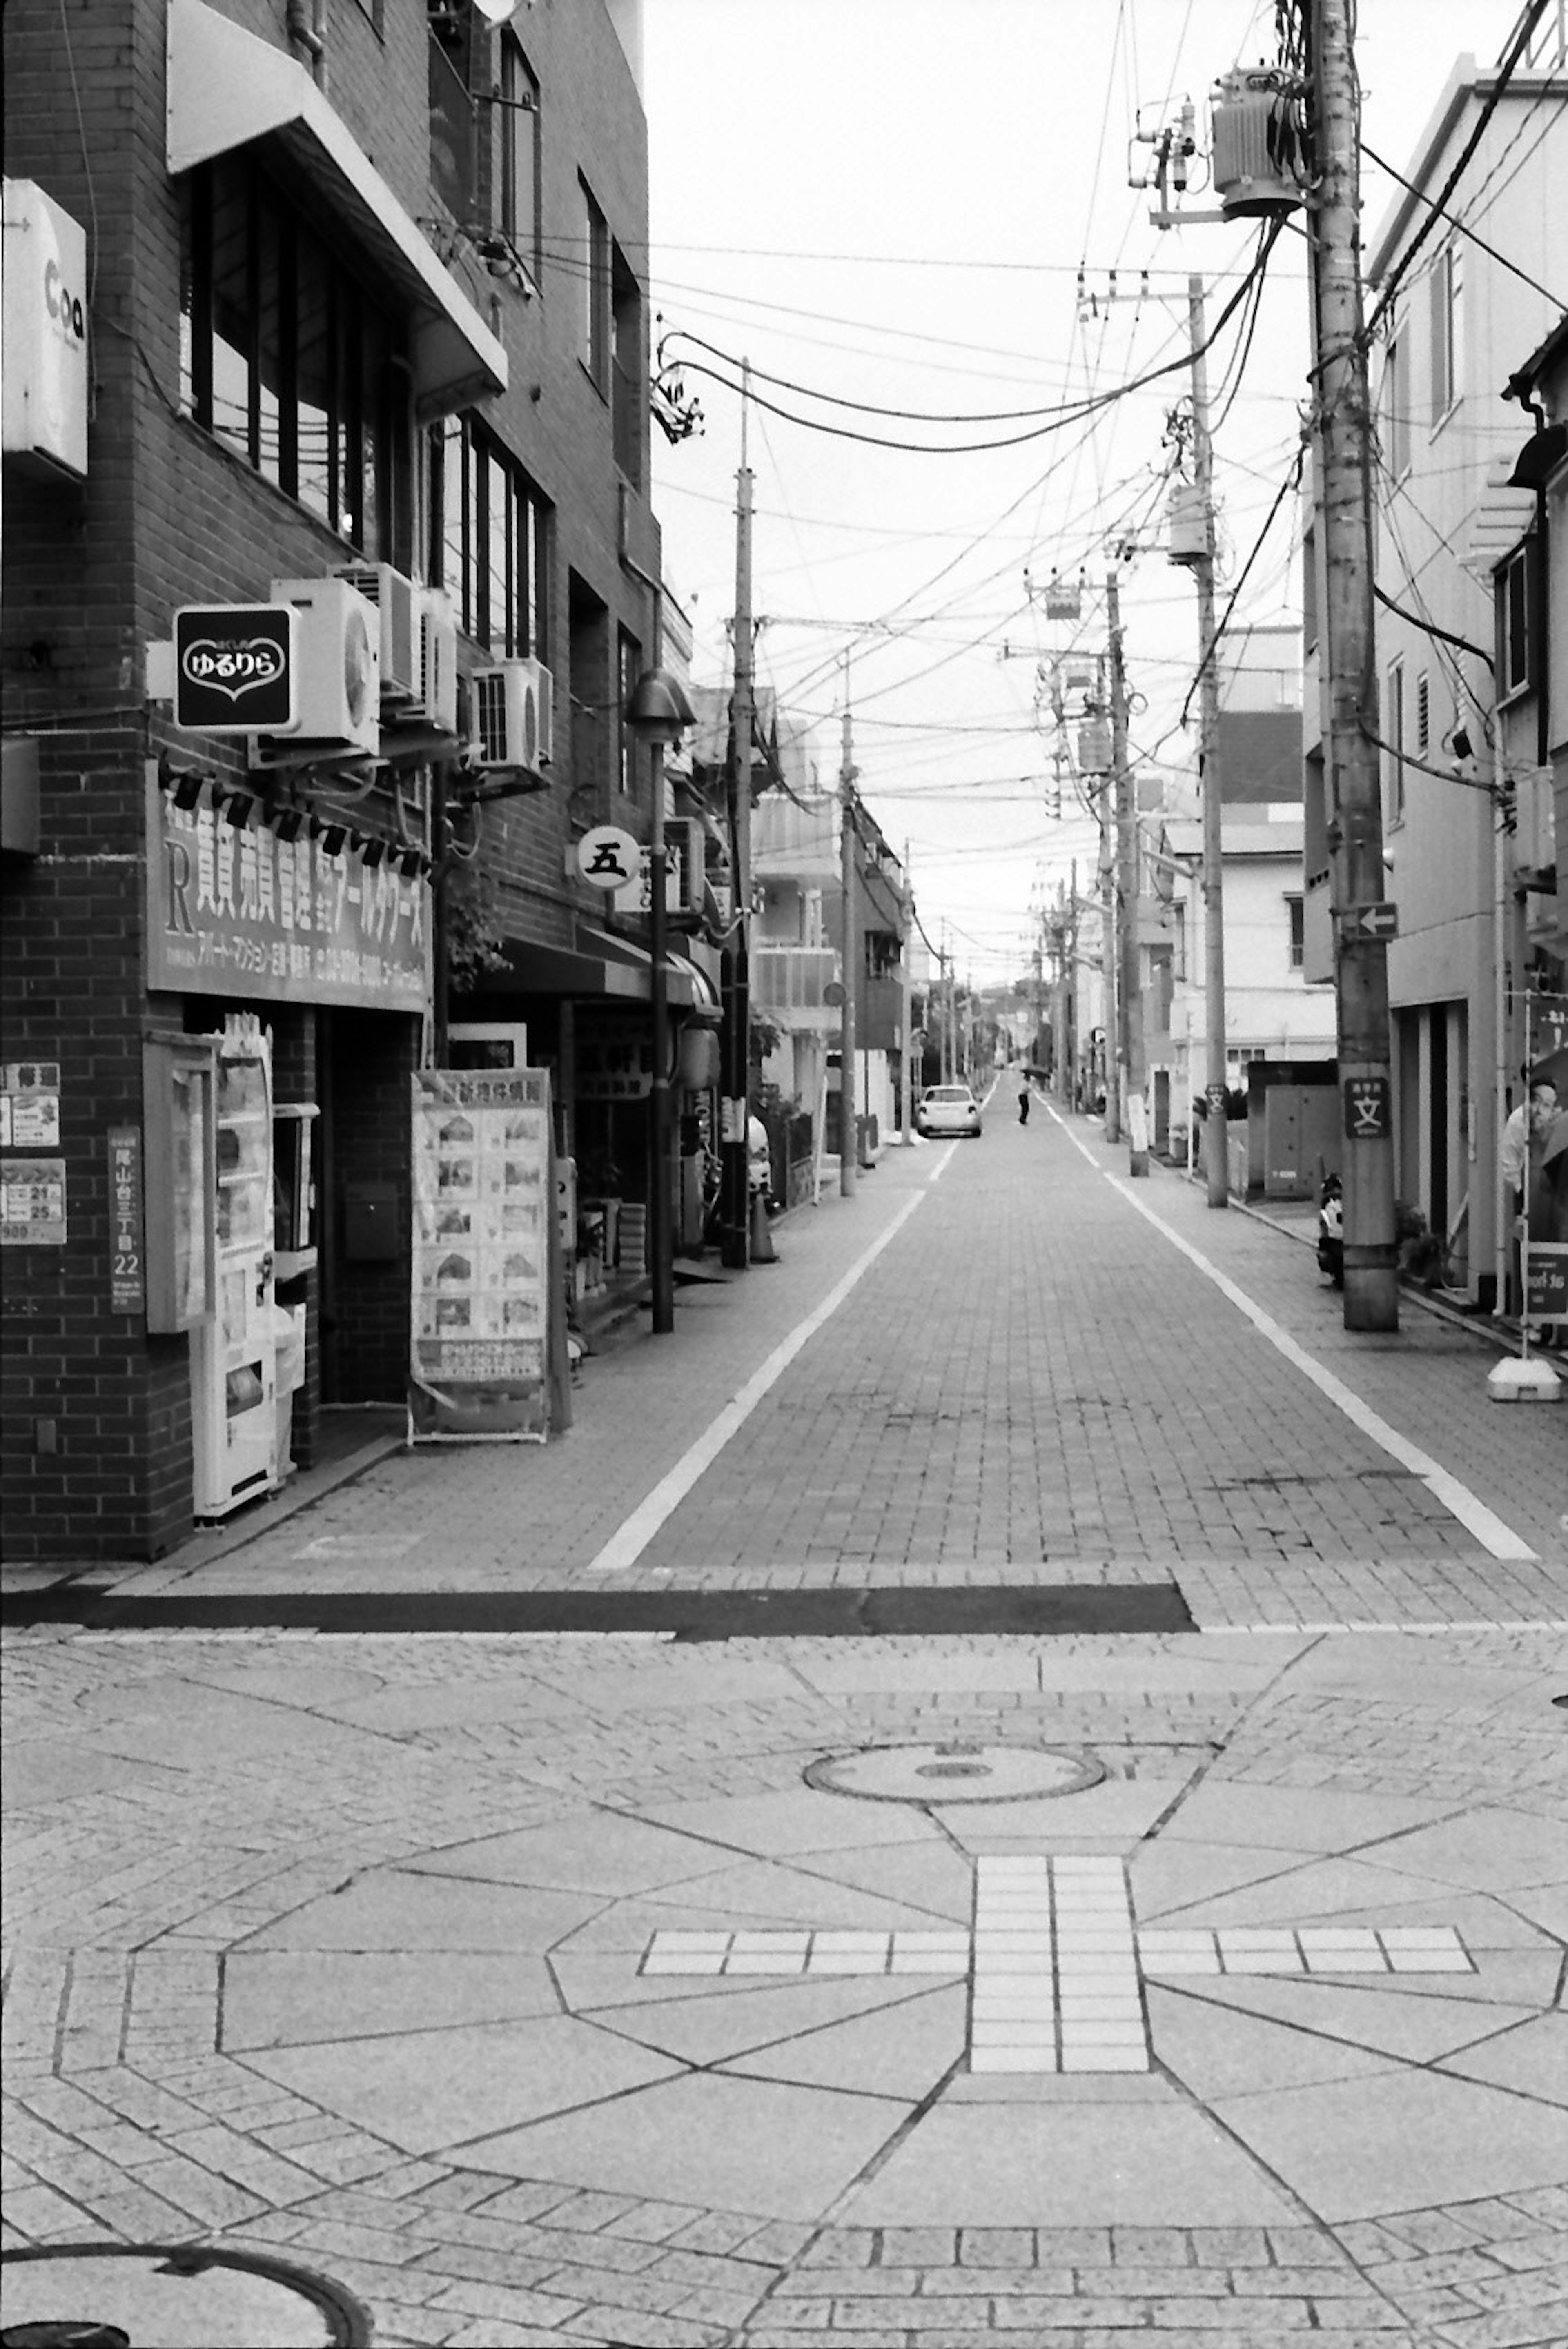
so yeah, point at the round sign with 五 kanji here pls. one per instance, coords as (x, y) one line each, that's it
(608, 857)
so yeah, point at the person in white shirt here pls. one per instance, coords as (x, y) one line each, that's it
(1520, 1154)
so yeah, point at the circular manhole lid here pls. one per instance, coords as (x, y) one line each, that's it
(95, 2297)
(955, 1774)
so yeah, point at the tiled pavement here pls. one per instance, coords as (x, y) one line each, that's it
(338, 1947)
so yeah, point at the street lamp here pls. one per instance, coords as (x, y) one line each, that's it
(659, 714)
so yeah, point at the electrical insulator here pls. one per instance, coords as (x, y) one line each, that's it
(1256, 153)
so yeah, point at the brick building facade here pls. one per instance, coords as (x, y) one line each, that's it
(361, 288)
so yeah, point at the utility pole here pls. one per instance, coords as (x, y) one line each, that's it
(1110, 960)
(1129, 1036)
(1342, 426)
(1216, 1128)
(905, 1090)
(736, 1252)
(848, 1128)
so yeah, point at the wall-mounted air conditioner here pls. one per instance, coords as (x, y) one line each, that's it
(438, 662)
(339, 642)
(513, 710)
(397, 600)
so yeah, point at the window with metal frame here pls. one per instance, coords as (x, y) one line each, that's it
(1515, 621)
(291, 355)
(1394, 736)
(1447, 279)
(594, 263)
(518, 162)
(490, 535)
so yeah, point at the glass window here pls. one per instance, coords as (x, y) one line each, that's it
(1513, 620)
(1394, 737)
(488, 538)
(595, 269)
(1295, 910)
(1396, 405)
(1446, 275)
(289, 358)
(517, 168)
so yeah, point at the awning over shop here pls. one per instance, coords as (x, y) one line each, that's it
(605, 966)
(225, 88)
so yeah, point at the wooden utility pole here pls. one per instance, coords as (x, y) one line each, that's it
(736, 1252)
(1342, 424)
(1216, 1129)
(906, 1089)
(848, 1128)
(1129, 1037)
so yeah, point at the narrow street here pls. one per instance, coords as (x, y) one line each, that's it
(1005, 1781)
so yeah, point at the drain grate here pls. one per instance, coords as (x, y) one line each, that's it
(98, 2296)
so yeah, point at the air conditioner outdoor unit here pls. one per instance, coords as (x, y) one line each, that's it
(397, 600)
(438, 663)
(514, 709)
(338, 643)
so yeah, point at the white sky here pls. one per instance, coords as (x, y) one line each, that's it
(889, 201)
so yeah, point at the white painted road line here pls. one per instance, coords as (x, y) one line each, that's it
(631, 1537)
(1472, 1513)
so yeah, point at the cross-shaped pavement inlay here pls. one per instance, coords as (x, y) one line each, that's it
(1056, 1967)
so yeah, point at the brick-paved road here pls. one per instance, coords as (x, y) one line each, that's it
(329, 1947)
(1029, 1381)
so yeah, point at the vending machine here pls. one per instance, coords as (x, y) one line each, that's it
(233, 1351)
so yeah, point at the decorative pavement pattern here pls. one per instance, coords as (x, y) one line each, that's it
(339, 1949)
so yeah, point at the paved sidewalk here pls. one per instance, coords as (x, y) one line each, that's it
(1029, 1381)
(606, 1992)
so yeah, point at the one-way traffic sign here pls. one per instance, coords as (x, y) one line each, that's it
(1370, 921)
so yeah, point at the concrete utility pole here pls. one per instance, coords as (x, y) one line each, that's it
(1342, 430)
(907, 1013)
(1129, 1036)
(736, 1252)
(1216, 1129)
(848, 1131)
(1110, 962)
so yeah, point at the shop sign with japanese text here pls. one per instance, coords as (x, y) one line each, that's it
(238, 911)
(128, 1269)
(33, 1202)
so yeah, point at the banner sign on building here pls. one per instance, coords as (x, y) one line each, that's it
(236, 910)
(127, 1261)
(488, 1353)
(236, 669)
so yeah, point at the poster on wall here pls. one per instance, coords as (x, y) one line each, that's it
(488, 1341)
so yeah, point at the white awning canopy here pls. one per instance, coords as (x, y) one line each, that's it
(226, 88)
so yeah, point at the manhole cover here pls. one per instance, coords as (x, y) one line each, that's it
(955, 1774)
(94, 2298)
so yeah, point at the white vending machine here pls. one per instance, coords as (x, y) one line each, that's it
(233, 1353)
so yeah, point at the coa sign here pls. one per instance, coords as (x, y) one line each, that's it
(234, 668)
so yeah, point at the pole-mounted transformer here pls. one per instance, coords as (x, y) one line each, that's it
(1257, 163)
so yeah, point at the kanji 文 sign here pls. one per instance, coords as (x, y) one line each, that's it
(241, 912)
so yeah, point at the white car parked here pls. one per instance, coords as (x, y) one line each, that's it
(947, 1109)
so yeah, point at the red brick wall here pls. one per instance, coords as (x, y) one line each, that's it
(92, 573)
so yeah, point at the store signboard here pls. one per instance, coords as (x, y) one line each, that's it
(238, 911)
(236, 669)
(486, 1332)
(614, 1056)
(1546, 1281)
